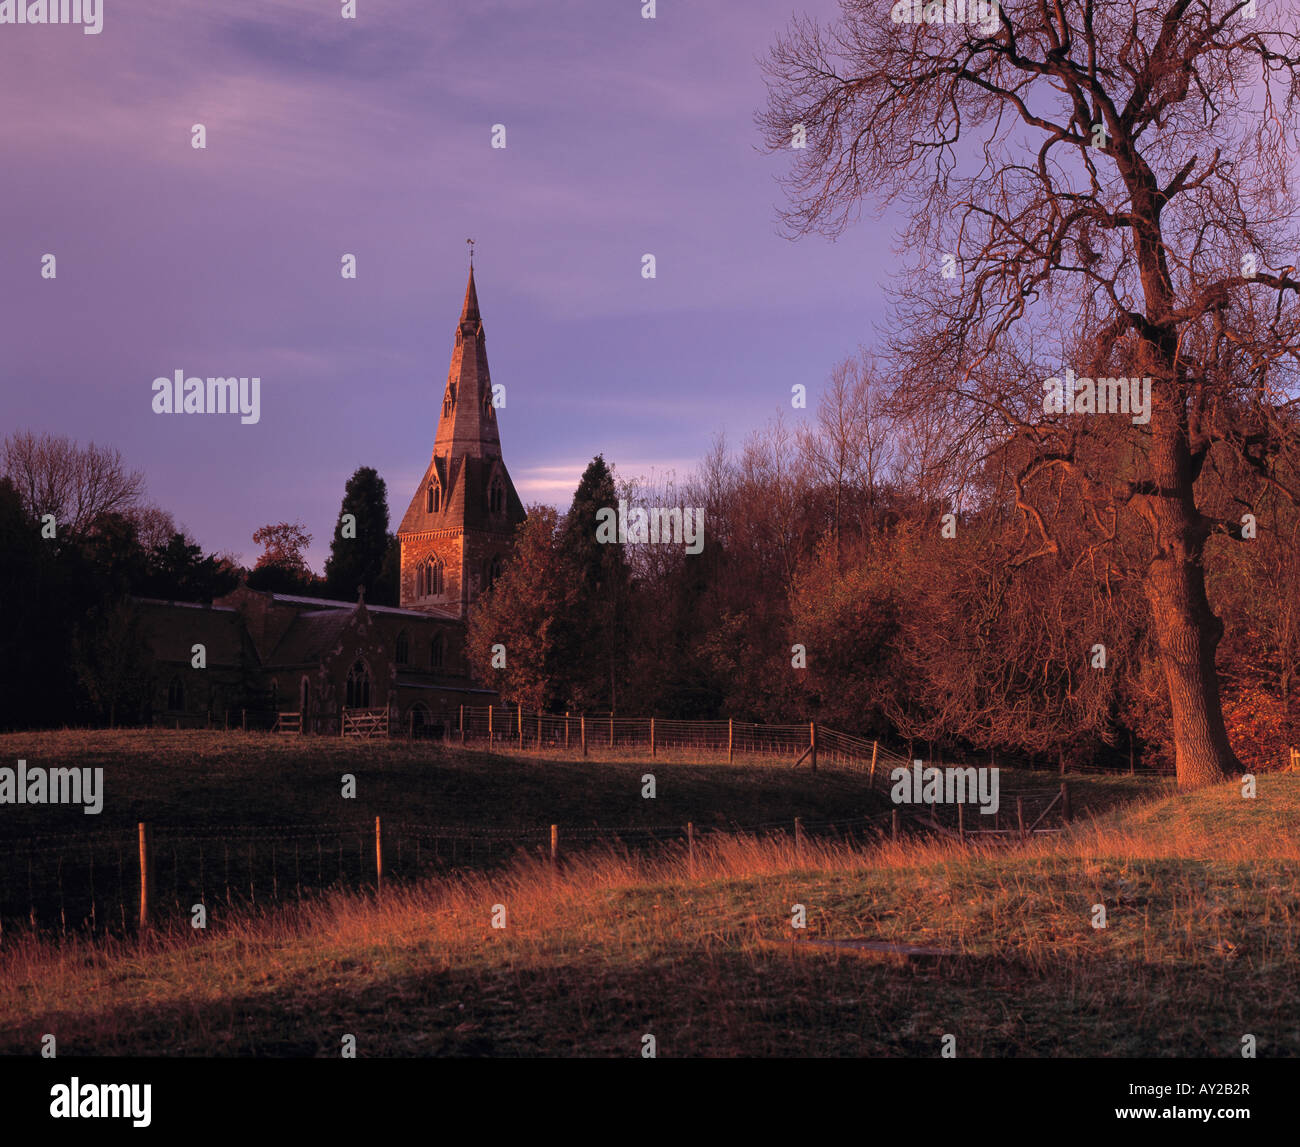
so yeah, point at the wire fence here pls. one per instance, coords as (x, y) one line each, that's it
(507, 727)
(94, 880)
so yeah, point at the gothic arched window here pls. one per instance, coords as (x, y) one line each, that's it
(435, 652)
(358, 690)
(496, 495)
(403, 648)
(493, 570)
(433, 498)
(449, 399)
(428, 579)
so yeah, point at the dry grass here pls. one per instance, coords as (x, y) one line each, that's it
(1201, 893)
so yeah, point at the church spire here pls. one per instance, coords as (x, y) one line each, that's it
(467, 421)
(459, 525)
(469, 312)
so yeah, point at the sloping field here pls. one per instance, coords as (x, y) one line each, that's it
(1201, 896)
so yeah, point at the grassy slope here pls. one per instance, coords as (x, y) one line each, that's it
(191, 778)
(185, 778)
(1201, 892)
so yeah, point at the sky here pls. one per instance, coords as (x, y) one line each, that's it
(373, 137)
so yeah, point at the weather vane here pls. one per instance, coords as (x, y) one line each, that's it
(471, 251)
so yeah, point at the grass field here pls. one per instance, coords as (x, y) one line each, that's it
(1200, 948)
(196, 778)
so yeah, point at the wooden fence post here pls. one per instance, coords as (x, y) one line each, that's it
(875, 750)
(566, 730)
(731, 735)
(583, 730)
(462, 724)
(893, 824)
(798, 836)
(146, 874)
(520, 711)
(490, 732)
(555, 844)
(379, 857)
(652, 736)
(812, 744)
(961, 820)
(1020, 815)
(1065, 803)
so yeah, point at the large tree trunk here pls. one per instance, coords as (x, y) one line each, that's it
(1188, 633)
(1186, 627)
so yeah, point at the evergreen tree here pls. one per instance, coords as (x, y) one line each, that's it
(590, 641)
(361, 538)
(179, 571)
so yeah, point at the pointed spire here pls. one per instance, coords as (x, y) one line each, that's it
(467, 422)
(469, 312)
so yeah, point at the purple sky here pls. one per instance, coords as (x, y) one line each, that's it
(329, 136)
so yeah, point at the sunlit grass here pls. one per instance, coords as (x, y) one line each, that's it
(1201, 895)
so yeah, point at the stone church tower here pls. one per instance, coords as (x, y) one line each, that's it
(460, 525)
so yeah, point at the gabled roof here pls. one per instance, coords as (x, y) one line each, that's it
(310, 636)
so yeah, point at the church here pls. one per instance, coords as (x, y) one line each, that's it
(309, 659)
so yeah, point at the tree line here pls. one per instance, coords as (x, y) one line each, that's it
(865, 566)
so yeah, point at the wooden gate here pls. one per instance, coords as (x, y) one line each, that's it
(365, 723)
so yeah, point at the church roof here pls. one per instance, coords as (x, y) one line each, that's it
(310, 636)
(332, 604)
(171, 629)
(464, 498)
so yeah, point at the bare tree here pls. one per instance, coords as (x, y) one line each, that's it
(770, 515)
(850, 447)
(155, 527)
(1113, 169)
(78, 485)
